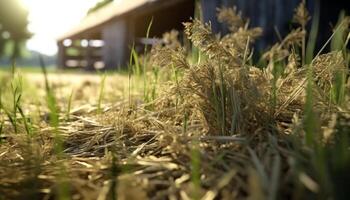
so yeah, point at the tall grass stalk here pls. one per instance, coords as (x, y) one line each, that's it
(338, 91)
(185, 123)
(130, 71)
(13, 68)
(303, 45)
(16, 92)
(101, 93)
(339, 43)
(310, 122)
(328, 41)
(135, 62)
(222, 101)
(311, 44)
(198, 10)
(26, 121)
(114, 177)
(195, 170)
(155, 71)
(69, 105)
(63, 186)
(8, 115)
(277, 70)
(16, 98)
(1, 129)
(51, 102)
(312, 128)
(146, 62)
(273, 98)
(134, 69)
(176, 74)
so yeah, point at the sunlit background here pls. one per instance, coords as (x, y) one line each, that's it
(51, 18)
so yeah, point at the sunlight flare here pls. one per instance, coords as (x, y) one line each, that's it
(51, 18)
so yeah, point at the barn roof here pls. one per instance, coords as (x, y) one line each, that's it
(110, 12)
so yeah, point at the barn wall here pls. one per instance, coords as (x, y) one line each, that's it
(115, 44)
(262, 13)
(270, 13)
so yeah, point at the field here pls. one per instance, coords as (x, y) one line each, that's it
(206, 122)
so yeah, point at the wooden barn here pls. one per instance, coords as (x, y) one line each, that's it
(104, 38)
(276, 15)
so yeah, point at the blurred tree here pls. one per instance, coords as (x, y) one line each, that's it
(13, 28)
(99, 5)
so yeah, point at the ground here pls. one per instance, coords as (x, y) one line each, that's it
(105, 139)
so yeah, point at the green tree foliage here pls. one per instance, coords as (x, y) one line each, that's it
(99, 5)
(13, 27)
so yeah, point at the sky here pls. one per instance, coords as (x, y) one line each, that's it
(48, 19)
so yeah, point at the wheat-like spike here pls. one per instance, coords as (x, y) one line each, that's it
(301, 14)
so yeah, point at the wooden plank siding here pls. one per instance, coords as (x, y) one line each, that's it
(270, 13)
(266, 14)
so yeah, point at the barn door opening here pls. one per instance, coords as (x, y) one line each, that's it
(164, 19)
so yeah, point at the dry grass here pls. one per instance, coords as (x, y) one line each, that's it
(218, 128)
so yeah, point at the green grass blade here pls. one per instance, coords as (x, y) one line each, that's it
(195, 170)
(69, 105)
(313, 33)
(1, 129)
(145, 95)
(101, 93)
(338, 42)
(148, 33)
(26, 121)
